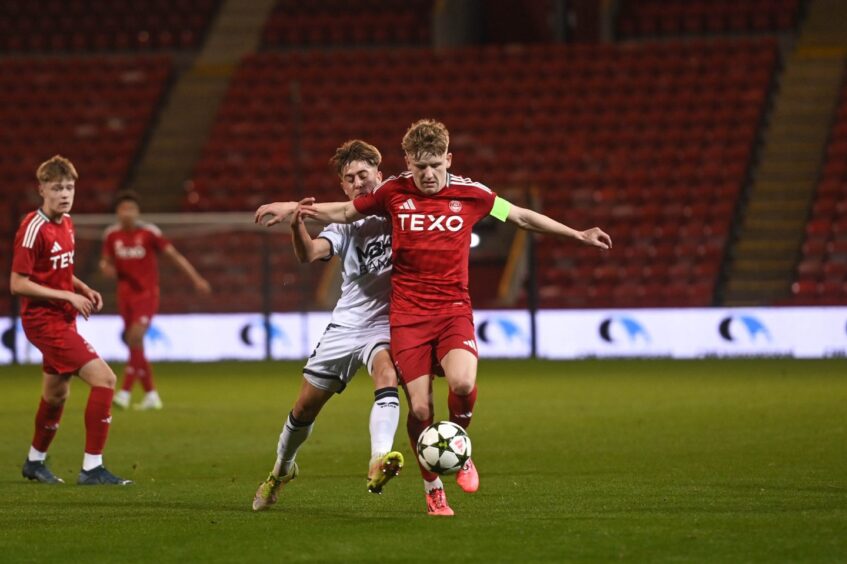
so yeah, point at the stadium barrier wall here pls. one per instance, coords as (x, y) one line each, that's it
(800, 332)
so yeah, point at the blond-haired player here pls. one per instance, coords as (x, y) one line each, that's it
(51, 298)
(432, 212)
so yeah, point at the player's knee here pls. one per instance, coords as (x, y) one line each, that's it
(55, 398)
(109, 380)
(135, 340)
(421, 411)
(385, 377)
(462, 386)
(305, 412)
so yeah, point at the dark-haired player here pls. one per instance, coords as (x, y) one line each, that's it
(130, 253)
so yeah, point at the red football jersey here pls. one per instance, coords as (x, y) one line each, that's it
(44, 251)
(430, 242)
(134, 254)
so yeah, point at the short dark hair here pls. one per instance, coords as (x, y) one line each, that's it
(126, 196)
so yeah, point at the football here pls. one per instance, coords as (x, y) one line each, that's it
(443, 447)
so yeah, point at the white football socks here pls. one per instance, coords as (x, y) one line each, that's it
(36, 455)
(294, 433)
(385, 416)
(91, 461)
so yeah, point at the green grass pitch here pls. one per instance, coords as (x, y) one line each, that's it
(709, 461)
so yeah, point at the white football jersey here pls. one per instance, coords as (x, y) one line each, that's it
(364, 248)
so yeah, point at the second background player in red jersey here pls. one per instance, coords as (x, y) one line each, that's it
(130, 254)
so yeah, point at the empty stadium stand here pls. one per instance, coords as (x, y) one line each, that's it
(821, 277)
(94, 110)
(340, 22)
(645, 18)
(59, 26)
(653, 142)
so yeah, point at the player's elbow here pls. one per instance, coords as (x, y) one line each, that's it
(15, 285)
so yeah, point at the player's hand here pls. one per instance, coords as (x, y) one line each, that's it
(306, 209)
(95, 298)
(277, 212)
(596, 237)
(297, 218)
(81, 303)
(202, 287)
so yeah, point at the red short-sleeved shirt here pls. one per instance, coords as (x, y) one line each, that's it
(44, 251)
(135, 255)
(430, 242)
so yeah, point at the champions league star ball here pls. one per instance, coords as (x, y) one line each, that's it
(443, 448)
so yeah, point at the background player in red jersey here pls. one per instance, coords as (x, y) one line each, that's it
(130, 250)
(51, 297)
(432, 213)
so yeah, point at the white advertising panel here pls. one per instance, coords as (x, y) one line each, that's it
(288, 336)
(503, 333)
(199, 337)
(800, 332)
(6, 340)
(693, 333)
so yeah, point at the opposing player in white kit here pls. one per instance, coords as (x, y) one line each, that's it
(358, 333)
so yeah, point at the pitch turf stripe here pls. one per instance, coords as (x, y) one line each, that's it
(32, 231)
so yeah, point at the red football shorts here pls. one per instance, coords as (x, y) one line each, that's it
(64, 351)
(138, 308)
(418, 347)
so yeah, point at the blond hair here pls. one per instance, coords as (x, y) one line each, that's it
(56, 168)
(352, 151)
(426, 137)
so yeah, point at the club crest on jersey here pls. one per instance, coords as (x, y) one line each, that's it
(455, 206)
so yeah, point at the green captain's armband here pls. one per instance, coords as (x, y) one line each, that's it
(501, 208)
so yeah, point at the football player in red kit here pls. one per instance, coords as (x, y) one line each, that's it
(432, 212)
(130, 251)
(51, 298)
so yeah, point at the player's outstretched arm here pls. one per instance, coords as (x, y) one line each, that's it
(540, 223)
(331, 212)
(21, 285)
(276, 212)
(305, 248)
(200, 284)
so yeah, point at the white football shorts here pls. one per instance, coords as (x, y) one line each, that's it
(341, 352)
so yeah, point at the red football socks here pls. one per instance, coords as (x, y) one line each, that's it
(129, 377)
(461, 408)
(46, 424)
(142, 369)
(415, 427)
(98, 416)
